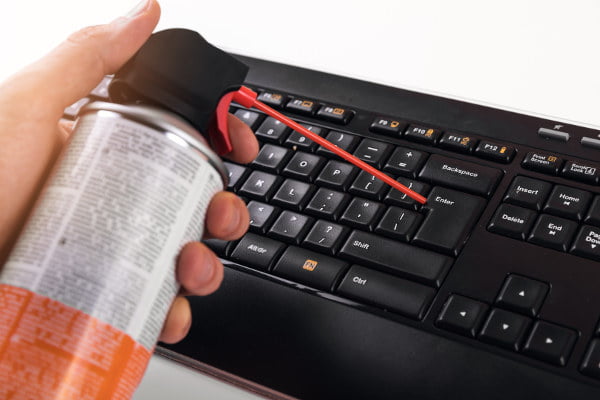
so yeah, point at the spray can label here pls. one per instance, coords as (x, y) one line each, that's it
(88, 285)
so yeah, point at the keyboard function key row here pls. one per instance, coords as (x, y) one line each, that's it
(449, 140)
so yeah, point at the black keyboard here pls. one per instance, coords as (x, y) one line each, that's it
(346, 288)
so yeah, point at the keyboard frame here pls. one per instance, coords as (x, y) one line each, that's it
(268, 333)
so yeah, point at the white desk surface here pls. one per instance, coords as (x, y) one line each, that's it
(541, 57)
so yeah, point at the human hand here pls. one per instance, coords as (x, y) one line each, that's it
(31, 137)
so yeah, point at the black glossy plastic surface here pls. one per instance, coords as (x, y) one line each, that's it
(316, 345)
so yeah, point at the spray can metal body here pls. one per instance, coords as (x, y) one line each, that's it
(88, 285)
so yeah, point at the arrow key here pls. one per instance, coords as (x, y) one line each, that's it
(522, 295)
(462, 315)
(504, 328)
(550, 342)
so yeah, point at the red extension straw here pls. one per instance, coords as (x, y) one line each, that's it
(247, 98)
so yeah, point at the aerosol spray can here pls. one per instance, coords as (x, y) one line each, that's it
(85, 292)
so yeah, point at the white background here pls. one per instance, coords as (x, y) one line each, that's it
(539, 56)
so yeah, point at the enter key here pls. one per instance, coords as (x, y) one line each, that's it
(450, 217)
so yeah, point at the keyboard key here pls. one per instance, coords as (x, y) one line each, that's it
(260, 186)
(587, 243)
(372, 152)
(590, 142)
(450, 216)
(313, 269)
(568, 202)
(540, 162)
(293, 194)
(591, 361)
(461, 175)
(388, 292)
(337, 174)
(528, 192)
(522, 295)
(512, 221)
(303, 166)
(367, 185)
(301, 142)
(551, 343)
(327, 203)
(344, 141)
(325, 237)
(396, 258)
(221, 248)
(423, 134)
(302, 106)
(276, 100)
(272, 130)
(236, 174)
(388, 126)
(398, 198)
(261, 216)
(587, 173)
(250, 118)
(554, 134)
(462, 315)
(495, 152)
(593, 215)
(504, 328)
(398, 223)
(290, 227)
(457, 142)
(335, 114)
(271, 158)
(257, 251)
(405, 162)
(553, 232)
(362, 213)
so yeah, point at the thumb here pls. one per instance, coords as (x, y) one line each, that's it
(75, 67)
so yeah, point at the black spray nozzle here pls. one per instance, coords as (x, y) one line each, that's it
(179, 71)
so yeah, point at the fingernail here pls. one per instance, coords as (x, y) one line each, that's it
(138, 9)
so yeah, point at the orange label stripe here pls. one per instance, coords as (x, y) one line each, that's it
(52, 351)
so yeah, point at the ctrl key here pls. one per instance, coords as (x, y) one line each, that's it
(257, 251)
(388, 292)
(591, 362)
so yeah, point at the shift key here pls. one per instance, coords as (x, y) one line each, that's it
(450, 218)
(462, 175)
(396, 258)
